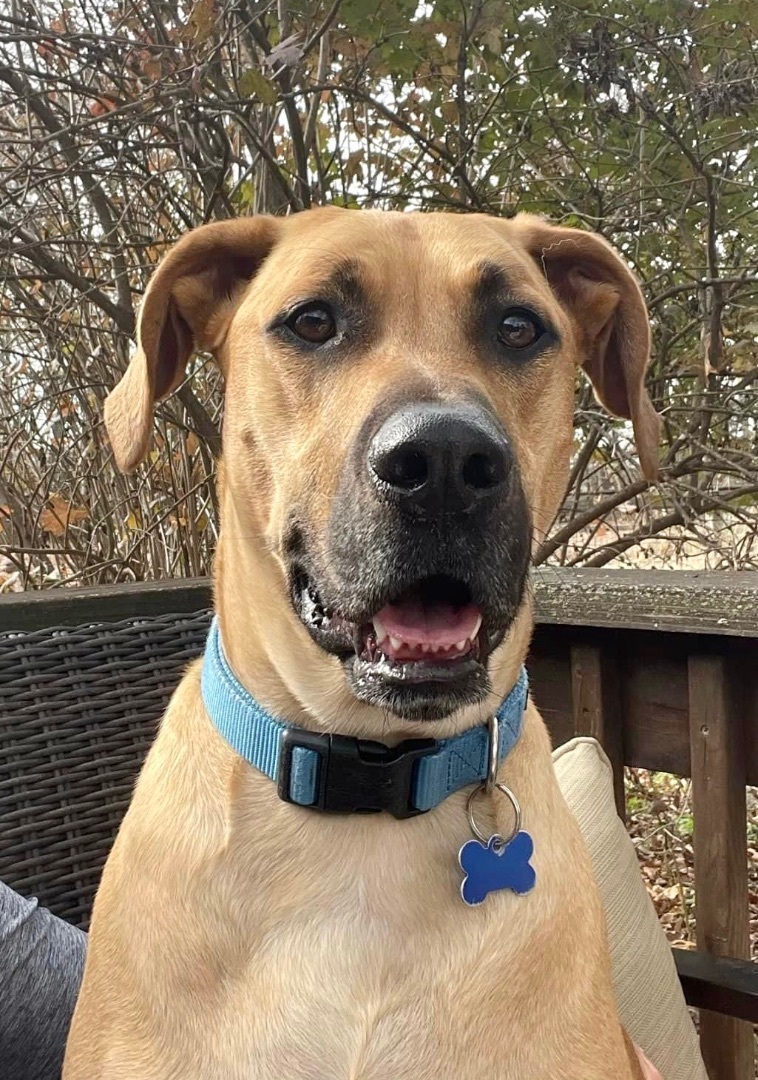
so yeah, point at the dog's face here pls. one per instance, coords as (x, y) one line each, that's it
(398, 419)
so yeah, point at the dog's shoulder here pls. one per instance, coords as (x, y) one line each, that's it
(175, 803)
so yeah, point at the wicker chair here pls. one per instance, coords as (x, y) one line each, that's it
(78, 709)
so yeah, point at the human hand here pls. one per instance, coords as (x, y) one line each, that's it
(649, 1070)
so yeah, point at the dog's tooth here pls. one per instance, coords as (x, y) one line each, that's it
(379, 630)
(477, 628)
(395, 642)
(462, 645)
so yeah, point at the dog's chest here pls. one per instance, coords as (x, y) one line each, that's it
(355, 997)
(377, 975)
(359, 997)
(362, 948)
(330, 948)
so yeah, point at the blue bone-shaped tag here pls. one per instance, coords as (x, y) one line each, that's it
(489, 868)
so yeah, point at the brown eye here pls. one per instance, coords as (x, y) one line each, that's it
(519, 330)
(314, 324)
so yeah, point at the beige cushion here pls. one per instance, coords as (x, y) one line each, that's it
(650, 999)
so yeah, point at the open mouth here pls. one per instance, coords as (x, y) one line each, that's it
(433, 623)
(421, 655)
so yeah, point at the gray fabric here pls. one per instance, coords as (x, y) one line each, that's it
(41, 963)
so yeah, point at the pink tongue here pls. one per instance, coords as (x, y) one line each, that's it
(429, 624)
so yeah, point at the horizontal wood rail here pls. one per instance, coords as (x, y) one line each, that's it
(676, 601)
(662, 668)
(722, 603)
(719, 983)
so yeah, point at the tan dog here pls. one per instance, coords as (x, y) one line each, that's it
(398, 427)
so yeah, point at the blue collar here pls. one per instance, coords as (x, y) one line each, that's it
(337, 773)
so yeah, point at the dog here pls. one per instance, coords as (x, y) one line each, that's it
(396, 440)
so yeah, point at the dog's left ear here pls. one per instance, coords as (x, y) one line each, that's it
(187, 308)
(595, 285)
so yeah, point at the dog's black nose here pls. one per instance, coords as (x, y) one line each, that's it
(438, 458)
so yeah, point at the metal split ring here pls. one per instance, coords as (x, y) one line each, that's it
(500, 841)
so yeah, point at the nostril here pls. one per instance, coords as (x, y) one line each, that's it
(482, 471)
(405, 468)
(435, 459)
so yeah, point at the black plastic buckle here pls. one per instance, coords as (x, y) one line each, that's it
(357, 776)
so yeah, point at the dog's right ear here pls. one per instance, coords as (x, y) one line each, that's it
(187, 308)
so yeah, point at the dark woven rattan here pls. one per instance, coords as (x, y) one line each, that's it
(79, 707)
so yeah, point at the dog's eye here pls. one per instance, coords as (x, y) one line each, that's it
(519, 329)
(313, 323)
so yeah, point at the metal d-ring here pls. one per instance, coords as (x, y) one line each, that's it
(494, 757)
(500, 841)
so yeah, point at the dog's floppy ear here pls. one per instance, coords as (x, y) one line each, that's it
(187, 308)
(606, 303)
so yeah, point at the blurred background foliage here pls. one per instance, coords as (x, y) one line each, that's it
(125, 122)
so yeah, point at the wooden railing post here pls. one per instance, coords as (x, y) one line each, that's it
(597, 708)
(720, 845)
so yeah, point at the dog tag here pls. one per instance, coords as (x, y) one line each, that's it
(496, 865)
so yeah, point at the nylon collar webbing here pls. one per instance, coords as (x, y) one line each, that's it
(334, 772)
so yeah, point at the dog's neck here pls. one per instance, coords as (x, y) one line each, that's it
(275, 659)
(328, 771)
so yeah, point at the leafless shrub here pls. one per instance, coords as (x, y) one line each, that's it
(122, 124)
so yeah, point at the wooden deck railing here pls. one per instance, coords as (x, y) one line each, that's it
(661, 667)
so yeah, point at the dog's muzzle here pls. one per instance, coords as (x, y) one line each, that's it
(424, 563)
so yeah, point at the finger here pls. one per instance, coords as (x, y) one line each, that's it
(649, 1070)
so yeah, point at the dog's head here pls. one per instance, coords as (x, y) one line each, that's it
(398, 420)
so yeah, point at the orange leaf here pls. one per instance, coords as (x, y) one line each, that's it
(59, 514)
